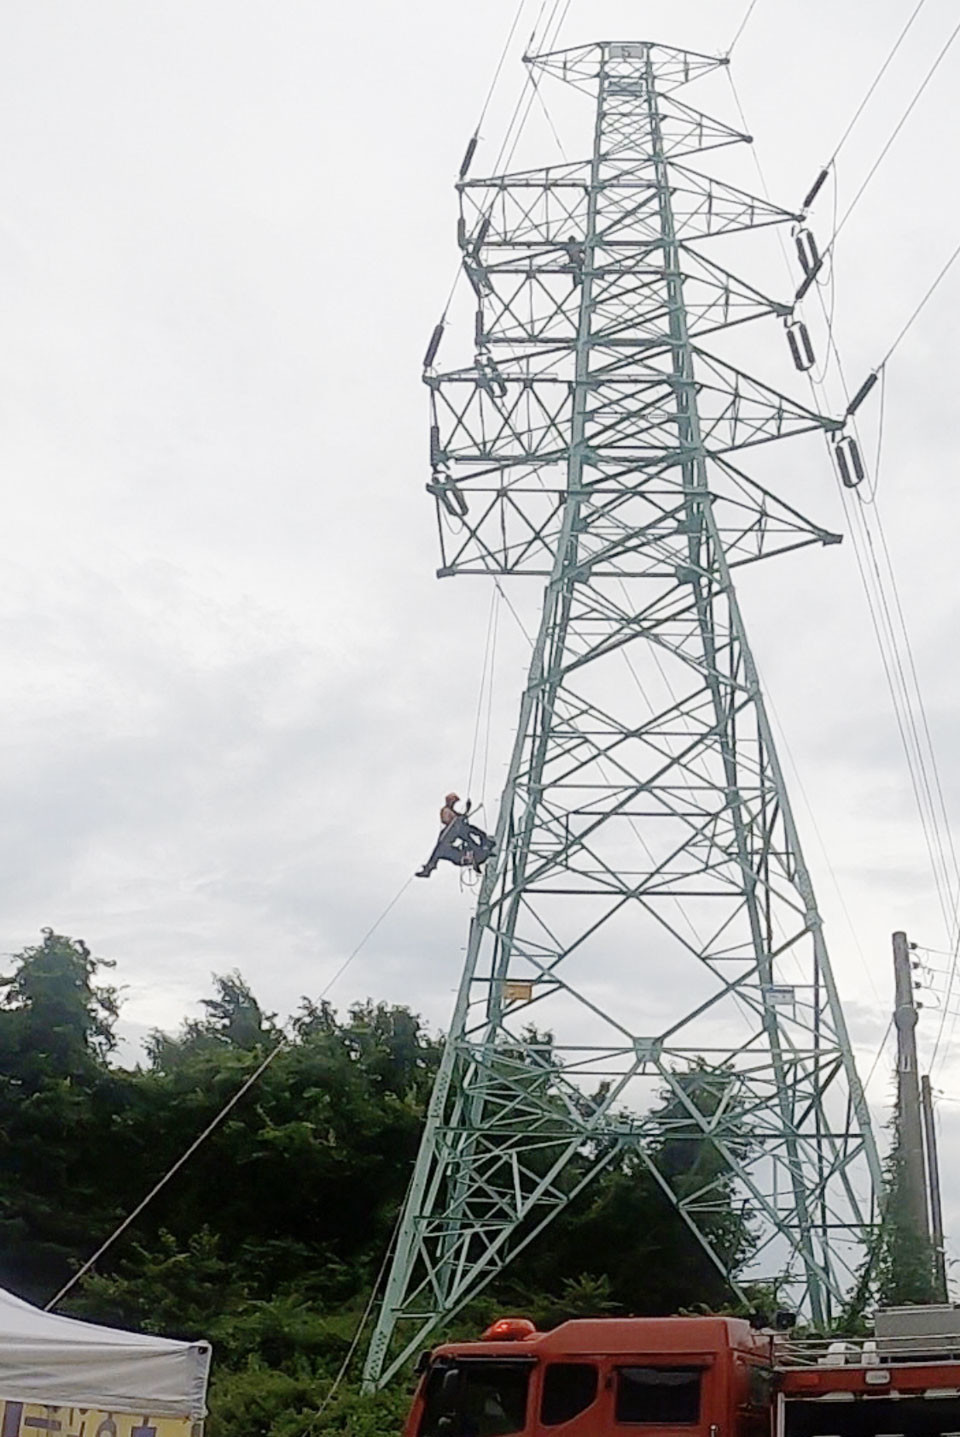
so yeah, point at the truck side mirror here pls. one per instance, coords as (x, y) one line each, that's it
(784, 1320)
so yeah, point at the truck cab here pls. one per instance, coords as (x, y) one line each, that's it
(695, 1377)
(659, 1376)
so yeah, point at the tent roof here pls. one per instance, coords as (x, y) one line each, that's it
(66, 1363)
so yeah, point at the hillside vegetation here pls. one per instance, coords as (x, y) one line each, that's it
(269, 1239)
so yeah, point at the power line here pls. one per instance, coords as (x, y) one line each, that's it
(876, 80)
(475, 137)
(885, 630)
(551, 30)
(921, 306)
(215, 1122)
(896, 130)
(871, 497)
(906, 698)
(740, 29)
(500, 63)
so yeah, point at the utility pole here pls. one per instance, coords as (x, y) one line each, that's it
(648, 904)
(910, 1132)
(933, 1183)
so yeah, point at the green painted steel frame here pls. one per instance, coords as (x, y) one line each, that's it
(593, 442)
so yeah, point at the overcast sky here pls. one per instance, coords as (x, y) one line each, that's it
(234, 690)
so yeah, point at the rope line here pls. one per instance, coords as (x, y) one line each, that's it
(517, 619)
(364, 1319)
(215, 1122)
(481, 692)
(549, 119)
(489, 716)
(879, 1055)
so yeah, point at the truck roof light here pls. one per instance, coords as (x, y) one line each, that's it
(509, 1329)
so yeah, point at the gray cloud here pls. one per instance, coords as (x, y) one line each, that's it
(233, 689)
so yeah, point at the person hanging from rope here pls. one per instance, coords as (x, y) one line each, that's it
(460, 841)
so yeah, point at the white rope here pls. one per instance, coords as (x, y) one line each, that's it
(365, 1317)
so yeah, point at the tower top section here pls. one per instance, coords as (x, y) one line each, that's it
(626, 60)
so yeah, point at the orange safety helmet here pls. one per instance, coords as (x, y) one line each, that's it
(452, 798)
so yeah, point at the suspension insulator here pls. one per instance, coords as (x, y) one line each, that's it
(862, 392)
(462, 232)
(850, 462)
(815, 189)
(801, 349)
(437, 456)
(465, 163)
(478, 335)
(433, 346)
(807, 252)
(449, 496)
(810, 280)
(481, 233)
(477, 276)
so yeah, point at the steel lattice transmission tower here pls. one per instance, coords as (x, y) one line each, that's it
(649, 906)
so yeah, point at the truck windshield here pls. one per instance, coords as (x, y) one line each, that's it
(475, 1399)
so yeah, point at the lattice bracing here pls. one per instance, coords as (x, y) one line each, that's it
(648, 906)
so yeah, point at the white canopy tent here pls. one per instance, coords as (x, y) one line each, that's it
(60, 1362)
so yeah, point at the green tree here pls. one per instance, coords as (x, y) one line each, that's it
(55, 1022)
(57, 1095)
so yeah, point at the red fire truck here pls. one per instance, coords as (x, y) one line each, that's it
(691, 1377)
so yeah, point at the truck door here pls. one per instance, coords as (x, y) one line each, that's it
(474, 1397)
(570, 1395)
